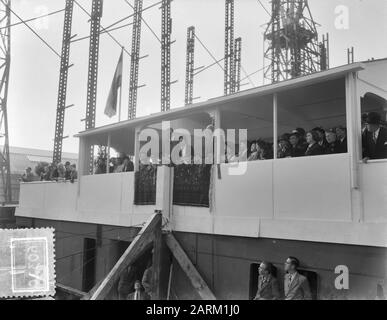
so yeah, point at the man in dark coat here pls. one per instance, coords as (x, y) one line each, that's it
(374, 138)
(342, 143)
(139, 293)
(268, 288)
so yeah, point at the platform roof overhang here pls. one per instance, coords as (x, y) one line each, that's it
(128, 127)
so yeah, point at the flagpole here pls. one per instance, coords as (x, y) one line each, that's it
(119, 104)
(120, 98)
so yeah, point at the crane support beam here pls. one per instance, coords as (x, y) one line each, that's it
(63, 77)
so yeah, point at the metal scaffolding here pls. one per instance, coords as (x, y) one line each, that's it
(190, 65)
(293, 48)
(238, 64)
(95, 26)
(229, 57)
(166, 31)
(5, 57)
(135, 58)
(63, 76)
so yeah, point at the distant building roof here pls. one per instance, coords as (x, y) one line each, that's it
(21, 158)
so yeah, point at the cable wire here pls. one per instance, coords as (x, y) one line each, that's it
(32, 30)
(103, 29)
(33, 19)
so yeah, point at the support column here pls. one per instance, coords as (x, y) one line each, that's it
(353, 127)
(108, 152)
(275, 125)
(137, 149)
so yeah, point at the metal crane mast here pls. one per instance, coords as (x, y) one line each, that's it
(166, 31)
(95, 26)
(190, 66)
(5, 57)
(229, 57)
(63, 76)
(135, 58)
(238, 64)
(292, 45)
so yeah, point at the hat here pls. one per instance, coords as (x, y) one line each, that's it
(373, 118)
(319, 129)
(300, 131)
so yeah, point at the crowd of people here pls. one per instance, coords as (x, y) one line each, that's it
(51, 172)
(295, 285)
(122, 163)
(318, 141)
(301, 143)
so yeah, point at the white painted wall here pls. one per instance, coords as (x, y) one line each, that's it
(299, 199)
(103, 199)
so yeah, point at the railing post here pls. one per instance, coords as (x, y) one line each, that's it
(275, 125)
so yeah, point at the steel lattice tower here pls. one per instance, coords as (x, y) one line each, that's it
(5, 57)
(238, 64)
(166, 31)
(229, 57)
(291, 37)
(135, 59)
(63, 76)
(190, 65)
(95, 26)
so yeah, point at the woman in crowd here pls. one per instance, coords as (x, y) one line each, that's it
(297, 148)
(46, 174)
(284, 147)
(314, 149)
(61, 172)
(254, 155)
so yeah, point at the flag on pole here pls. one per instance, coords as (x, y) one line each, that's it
(111, 104)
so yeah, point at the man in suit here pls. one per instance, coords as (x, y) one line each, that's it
(342, 144)
(296, 286)
(268, 288)
(374, 138)
(139, 293)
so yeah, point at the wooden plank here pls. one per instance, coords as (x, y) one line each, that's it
(69, 290)
(161, 265)
(185, 263)
(140, 243)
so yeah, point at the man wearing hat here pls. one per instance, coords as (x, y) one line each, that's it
(374, 138)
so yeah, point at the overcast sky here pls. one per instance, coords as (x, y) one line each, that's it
(35, 69)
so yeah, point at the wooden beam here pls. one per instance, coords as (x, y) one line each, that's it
(185, 263)
(89, 294)
(68, 290)
(140, 243)
(161, 265)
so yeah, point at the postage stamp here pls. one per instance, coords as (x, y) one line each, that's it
(27, 263)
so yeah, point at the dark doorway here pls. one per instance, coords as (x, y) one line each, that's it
(89, 264)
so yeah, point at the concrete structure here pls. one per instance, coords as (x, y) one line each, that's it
(327, 210)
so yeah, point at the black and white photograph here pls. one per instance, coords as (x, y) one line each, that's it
(199, 155)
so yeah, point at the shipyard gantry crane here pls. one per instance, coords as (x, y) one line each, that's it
(135, 58)
(166, 31)
(63, 77)
(5, 64)
(229, 57)
(293, 47)
(190, 65)
(95, 27)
